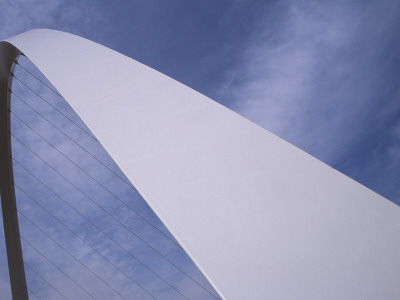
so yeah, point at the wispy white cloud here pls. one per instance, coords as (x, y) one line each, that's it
(317, 74)
(310, 72)
(17, 16)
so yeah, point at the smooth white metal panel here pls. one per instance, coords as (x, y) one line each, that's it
(261, 218)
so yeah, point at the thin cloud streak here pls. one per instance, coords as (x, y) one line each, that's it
(321, 75)
(318, 77)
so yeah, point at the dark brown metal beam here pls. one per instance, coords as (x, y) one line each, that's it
(16, 269)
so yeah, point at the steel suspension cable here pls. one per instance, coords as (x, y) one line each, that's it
(29, 290)
(33, 293)
(70, 254)
(118, 221)
(99, 229)
(74, 163)
(55, 108)
(115, 196)
(76, 143)
(79, 237)
(70, 138)
(83, 216)
(33, 75)
(57, 267)
(45, 280)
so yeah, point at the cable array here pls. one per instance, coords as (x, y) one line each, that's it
(69, 253)
(79, 237)
(45, 280)
(141, 243)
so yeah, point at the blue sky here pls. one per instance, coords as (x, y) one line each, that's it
(322, 75)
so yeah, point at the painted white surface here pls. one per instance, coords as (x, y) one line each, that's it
(261, 218)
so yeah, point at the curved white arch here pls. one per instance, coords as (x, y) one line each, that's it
(261, 218)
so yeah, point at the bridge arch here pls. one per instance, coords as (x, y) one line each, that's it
(259, 217)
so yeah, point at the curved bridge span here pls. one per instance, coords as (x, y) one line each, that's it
(260, 218)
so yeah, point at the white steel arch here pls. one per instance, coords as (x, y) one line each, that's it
(260, 218)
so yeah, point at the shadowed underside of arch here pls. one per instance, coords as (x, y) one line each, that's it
(259, 217)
